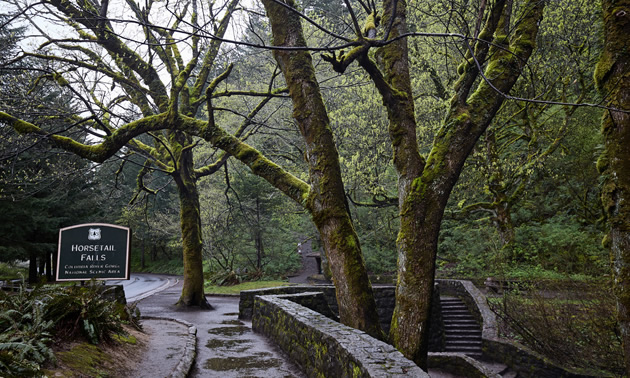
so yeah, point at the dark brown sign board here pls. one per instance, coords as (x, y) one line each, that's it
(93, 250)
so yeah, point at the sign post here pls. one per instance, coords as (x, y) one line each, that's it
(94, 250)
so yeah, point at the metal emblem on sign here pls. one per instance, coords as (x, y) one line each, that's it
(94, 234)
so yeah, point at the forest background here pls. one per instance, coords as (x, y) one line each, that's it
(527, 204)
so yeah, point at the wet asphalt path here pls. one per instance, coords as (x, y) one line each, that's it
(142, 285)
(226, 346)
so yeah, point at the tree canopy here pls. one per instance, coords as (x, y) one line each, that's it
(392, 104)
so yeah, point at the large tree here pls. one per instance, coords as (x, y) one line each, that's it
(149, 70)
(493, 62)
(324, 198)
(612, 77)
(494, 57)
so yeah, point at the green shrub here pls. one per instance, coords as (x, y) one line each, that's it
(83, 311)
(571, 323)
(467, 251)
(561, 244)
(10, 272)
(31, 319)
(379, 260)
(25, 333)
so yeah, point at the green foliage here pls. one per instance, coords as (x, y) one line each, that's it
(25, 333)
(82, 311)
(31, 320)
(10, 272)
(466, 250)
(553, 249)
(160, 266)
(251, 229)
(571, 323)
(560, 244)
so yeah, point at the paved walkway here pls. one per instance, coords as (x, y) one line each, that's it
(226, 346)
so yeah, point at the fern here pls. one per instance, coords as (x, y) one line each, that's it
(82, 311)
(24, 333)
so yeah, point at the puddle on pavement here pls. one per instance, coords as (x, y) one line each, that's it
(256, 361)
(227, 344)
(233, 322)
(229, 331)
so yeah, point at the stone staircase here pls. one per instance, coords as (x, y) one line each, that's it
(461, 330)
(462, 334)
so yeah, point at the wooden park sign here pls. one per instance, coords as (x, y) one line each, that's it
(95, 250)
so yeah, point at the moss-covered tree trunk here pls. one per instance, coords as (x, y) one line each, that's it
(501, 204)
(612, 77)
(190, 220)
(425, 186)
(327, 202)
(415, 269)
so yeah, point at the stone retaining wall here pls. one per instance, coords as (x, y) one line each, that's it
(520, 359)
(459, 365)
(385, 297)
(525, 362)
(323, 347)
(315, 298)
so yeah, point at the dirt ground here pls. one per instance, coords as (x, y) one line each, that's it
(113, 359)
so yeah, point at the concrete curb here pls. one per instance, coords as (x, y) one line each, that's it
(188, 357)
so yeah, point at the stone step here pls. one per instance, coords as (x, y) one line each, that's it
(461, 327)
(471, 353)
(456, 317)
(460, 321)
(464, 342)
(464, 338)
(463, 348)
(462, 333)
(500, 369)
(446, 313)
(453, 332)
(452, 304)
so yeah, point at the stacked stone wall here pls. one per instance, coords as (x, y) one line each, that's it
(315, 298)
(385, 297)
(525, 362)
(323, 347)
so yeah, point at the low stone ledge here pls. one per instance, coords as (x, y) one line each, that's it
(323, 347)
(384, 295)
(459, 365)
(525, 362)
(315, 301)
(519, 358)
(246, 302)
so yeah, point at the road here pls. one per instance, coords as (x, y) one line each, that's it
(142, 285)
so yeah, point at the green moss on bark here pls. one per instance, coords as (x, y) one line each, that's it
(612, 77)
(326, 199)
